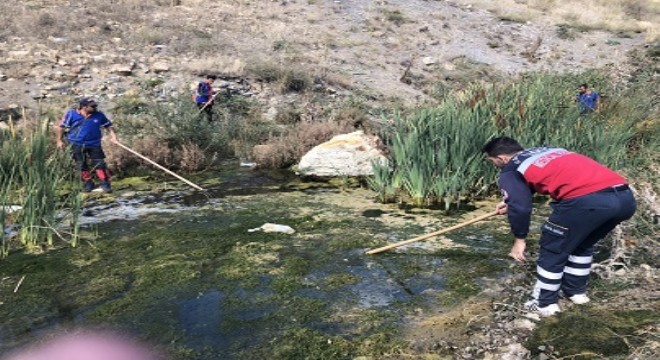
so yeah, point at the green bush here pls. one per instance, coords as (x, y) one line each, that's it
(176, 135)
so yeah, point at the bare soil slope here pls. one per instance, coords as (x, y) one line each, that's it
(405, 51)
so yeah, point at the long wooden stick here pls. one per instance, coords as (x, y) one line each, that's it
(207, 103)
(19, 284)
(158, 166)
(436, 233)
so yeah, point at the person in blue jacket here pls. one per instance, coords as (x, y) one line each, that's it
(588, 100)
(83, 127)
(204, 96)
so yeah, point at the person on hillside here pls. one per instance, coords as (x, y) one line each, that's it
(588, 100)
(83, 133)
(589, 201)
(204, 96)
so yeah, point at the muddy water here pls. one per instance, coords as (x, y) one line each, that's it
(179, 268)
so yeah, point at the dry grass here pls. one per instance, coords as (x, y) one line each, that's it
(286, 78)
(190, 157)
(336, 79)
(134, 22)
(284, 150)
(289, 115)
(613, 15)
(216, 64)
(120, 161)
(194, 158)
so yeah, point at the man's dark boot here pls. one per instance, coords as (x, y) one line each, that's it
(88, 186)
(105, 186)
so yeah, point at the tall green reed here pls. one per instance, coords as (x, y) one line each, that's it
(33, 176)
(435, 151)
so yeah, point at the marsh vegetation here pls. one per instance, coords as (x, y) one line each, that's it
(434, 150)
(36, 197)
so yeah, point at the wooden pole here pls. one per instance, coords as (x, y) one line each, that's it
(159, 166)
(436, 233)
(207, 103)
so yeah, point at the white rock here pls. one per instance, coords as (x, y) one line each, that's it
(121, 69)
(18, 54)
(524, 324)
(58, 40)
(532, 316)
(159, 67)
(344, 155)
(271, 114)
(510, 352)
(429, 60)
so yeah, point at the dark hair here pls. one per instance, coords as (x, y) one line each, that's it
(211, 77)
(87, 101)
(502, 145)
(584, 86)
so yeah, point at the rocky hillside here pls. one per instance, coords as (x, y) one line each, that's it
(403, 51)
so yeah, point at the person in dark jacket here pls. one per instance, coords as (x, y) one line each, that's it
(588, 100)
(589, 201)
(204, 96)
(83, 127)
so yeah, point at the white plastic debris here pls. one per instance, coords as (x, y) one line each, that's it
(268, 227)
(8, 209)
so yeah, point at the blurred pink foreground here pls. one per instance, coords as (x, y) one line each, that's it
(87, 346)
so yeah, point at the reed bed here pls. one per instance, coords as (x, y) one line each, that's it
(435, 151)
(37, 180)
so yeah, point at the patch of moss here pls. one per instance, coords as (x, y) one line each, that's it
(134, 183)
(301, 309)
(302, 344)
(296, 265)
(338, 280)
(463, 271)
(592, 333)
(285, 285)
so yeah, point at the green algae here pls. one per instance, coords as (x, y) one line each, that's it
(339, 280)
(591, 333)
(255, 293)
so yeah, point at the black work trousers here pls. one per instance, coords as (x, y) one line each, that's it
(568, 238)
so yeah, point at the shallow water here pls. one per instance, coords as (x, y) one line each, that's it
(180, 268)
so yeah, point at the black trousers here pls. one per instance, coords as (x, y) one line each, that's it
(88, 159)
(207, 110)
(568, 238)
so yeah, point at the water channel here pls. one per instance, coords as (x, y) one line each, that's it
(179, 268)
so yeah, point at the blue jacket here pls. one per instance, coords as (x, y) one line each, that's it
(84, 131)
(204, 92)
(587, 102)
